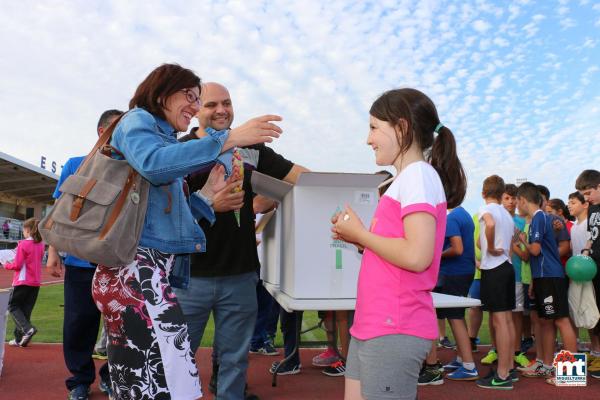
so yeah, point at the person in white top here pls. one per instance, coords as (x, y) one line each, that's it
(578, 208)
(497, 273)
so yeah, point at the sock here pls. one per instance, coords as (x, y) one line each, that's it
(459, 359)
(595, 353)
(547, 366)
(469, 365)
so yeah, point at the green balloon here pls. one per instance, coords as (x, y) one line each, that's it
(581, 268)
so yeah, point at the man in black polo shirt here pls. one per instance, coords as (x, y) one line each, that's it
(223, 279)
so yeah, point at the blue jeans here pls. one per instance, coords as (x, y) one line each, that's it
(265, 305)
(232, 299)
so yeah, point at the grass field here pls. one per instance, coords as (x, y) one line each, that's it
(48, 319)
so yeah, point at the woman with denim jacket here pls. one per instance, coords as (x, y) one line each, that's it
(148, 348)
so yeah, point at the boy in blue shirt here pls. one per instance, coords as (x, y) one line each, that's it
(549, 286)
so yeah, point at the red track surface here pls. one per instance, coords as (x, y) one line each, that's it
(38, 372)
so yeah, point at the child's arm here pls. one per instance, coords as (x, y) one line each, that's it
(519, 251)
(490, 226)
(564, 248)
(17, 263)
(587, 249)
(456, 247)
(533, 249)
(414, 252)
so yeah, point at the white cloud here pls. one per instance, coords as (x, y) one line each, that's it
(481, 26)
(501, 76)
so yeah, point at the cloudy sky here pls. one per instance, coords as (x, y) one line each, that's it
(517, 82)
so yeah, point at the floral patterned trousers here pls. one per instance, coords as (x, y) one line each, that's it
(149, 355)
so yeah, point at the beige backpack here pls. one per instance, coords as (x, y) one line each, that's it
(100, 214)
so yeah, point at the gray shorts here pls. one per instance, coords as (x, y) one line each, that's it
(387, 366)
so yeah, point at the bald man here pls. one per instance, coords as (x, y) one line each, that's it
(224, 278)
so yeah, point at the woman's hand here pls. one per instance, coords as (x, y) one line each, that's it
(215, 182)
(348, 227)
(254, 131)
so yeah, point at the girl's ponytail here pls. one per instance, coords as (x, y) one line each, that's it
(445, 160)
(32, 225)
(421, 117)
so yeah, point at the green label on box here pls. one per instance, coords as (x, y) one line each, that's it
(338, 258)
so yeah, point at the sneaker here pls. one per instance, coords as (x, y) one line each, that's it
(582, 347)
(540, 372)
(594, 364)
(522, 360)
(490, 357)
(493, 381)
(27, 336)
(105, 388)
(454, 364)
(13, 342)
(338, 368)
(99, 355)
(526, 344)
(514, 375)
(594, 374)
(533, 364)
(79, 392)
(286, 369)
(326, 358)
(446, 343)
(430, 375)
(267, 350)
(463, 374)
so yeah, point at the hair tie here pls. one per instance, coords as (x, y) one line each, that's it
(438, 127)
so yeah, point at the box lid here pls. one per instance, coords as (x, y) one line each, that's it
(268, 186)
(338, 179)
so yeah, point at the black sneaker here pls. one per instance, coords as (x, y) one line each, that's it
(267, 349)
(79, 392)
(513, 374)
(430, 375)
(338, 368)
(286, 369)
(446, 343)
(27, 337)
(493, 381)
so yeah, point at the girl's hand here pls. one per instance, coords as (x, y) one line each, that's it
(348, 226)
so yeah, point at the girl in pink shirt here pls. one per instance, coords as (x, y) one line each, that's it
(26, 282)
(395, 321)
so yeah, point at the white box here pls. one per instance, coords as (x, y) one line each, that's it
(299, 254)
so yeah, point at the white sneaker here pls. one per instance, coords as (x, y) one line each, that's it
(13, 342)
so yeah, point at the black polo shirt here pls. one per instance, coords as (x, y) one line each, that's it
(231, 250)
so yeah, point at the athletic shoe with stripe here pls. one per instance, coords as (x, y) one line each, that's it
(338, 368)
(533, 365)
(463, 374)
(493, 381)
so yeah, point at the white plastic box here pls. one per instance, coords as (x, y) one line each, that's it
(299, 254)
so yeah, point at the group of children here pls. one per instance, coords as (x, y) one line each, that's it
(512, 257)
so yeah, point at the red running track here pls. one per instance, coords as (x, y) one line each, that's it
(38, 372)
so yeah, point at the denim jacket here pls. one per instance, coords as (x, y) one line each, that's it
(150, 146)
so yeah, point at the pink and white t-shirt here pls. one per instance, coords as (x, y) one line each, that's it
(392, 300)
